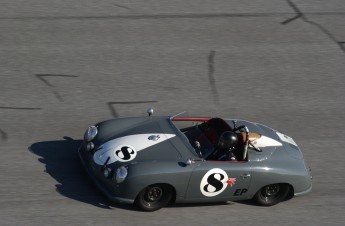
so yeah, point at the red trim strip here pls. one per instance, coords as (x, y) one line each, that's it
(197, 119)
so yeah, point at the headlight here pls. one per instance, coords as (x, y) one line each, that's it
(121, 174)
(90, 133)
(90, 146)
(106, 172)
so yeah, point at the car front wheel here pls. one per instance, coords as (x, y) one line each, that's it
(154, 197)
(272, 194)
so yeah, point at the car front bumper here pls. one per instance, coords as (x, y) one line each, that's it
(100, 184)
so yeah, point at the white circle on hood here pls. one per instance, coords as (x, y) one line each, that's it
(125, 153)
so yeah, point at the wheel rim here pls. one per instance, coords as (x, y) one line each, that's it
(271, 191)
(272, 194)
(153, 195)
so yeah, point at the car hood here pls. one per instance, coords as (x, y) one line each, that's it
(137, 139)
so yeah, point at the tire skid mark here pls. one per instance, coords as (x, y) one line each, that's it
(212, 80)
(45, 81)
(301, 15)
(113, 110)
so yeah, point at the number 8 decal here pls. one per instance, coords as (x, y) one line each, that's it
(125, 153)
(214, 182)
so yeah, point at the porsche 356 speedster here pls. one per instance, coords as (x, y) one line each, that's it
(153, 160)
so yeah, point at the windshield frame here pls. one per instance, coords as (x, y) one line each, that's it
(183, 137)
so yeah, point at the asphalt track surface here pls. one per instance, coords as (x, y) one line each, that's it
(65, 65)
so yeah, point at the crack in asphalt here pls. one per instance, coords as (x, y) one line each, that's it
(212, 80)
(342, 45)
(41, 77)
(3, 135)
(301, 15)
(149, 16)
(20, 108)
(113, 110)
(121, 6)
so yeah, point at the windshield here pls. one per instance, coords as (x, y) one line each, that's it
(182, 114)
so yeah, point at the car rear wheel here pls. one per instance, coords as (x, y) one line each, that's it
(272, 194)
(154, 197)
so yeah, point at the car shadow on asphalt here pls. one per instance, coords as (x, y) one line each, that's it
(210, 204)
(198, 205)
(62, 163)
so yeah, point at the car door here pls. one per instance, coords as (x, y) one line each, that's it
(219, 181)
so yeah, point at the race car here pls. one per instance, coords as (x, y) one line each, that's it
(151, 161)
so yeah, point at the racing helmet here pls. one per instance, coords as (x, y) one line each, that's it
(228, 140)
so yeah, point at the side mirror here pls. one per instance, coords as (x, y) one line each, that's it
(189, 162)
(150, 111)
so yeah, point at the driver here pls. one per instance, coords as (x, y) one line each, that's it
(226, 145)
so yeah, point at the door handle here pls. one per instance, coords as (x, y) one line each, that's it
(246, 175)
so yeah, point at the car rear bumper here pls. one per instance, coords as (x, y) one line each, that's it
(305, 191)
(113, 197)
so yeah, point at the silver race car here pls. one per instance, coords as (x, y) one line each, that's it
(151, 161)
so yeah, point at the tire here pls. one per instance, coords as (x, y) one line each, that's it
(272, 194)
(154, 197)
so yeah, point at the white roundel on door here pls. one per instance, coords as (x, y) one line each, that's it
(214, 182)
